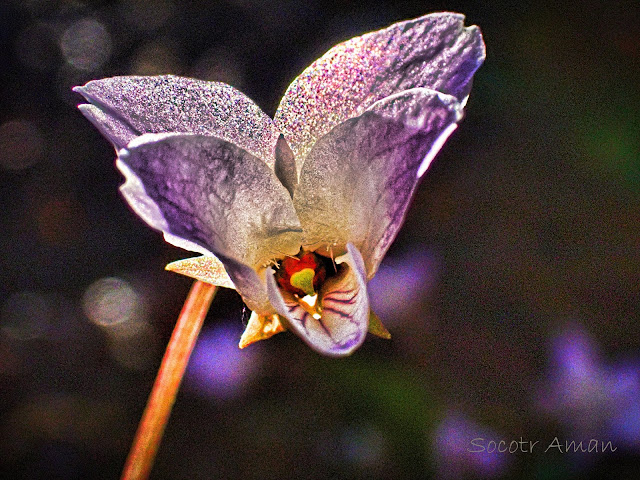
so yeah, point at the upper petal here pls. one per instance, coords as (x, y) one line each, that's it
(126, 107)
(342, 325)
(434, 51)
(358, 179)
(211, 196)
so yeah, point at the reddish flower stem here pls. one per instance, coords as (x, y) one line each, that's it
(164, 391)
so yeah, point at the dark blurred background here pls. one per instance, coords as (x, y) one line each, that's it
(512, 292)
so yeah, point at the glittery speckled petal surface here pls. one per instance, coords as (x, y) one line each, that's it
(212, 194)
(119, 133)
(435, 51)
(125, 107)
(358, 179)
(342, 325)
(206, 269)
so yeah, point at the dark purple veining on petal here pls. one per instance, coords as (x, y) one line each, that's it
(341, 322)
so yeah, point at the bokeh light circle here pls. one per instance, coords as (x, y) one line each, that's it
(86, 44)
(21, 144)
(110, 302)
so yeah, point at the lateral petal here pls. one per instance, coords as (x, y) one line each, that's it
(342, 324)
(123, 108)
(210, 196)
(358, 180)
(435, 51)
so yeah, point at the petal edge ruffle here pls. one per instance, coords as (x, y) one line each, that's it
(128, 106)
(434, 51)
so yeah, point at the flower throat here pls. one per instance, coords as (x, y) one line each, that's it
(303, 274)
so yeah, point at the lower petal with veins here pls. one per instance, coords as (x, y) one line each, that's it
(337, 324)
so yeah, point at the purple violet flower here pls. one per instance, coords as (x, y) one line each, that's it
(462, 449)
(295, 213)
(588, 396)
(217, 369)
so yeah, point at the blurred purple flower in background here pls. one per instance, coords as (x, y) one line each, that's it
(328, 180)
(457, 457)
(400, 285)
(217, 368)
(590, 398)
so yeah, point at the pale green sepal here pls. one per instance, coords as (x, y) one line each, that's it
(376, 328)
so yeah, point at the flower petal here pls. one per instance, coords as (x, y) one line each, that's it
(434, 51)
(358, 179)
(285, 166)
(250, 284)
(126, 107)
(342, 325)
(118, 132)
(210, 196)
